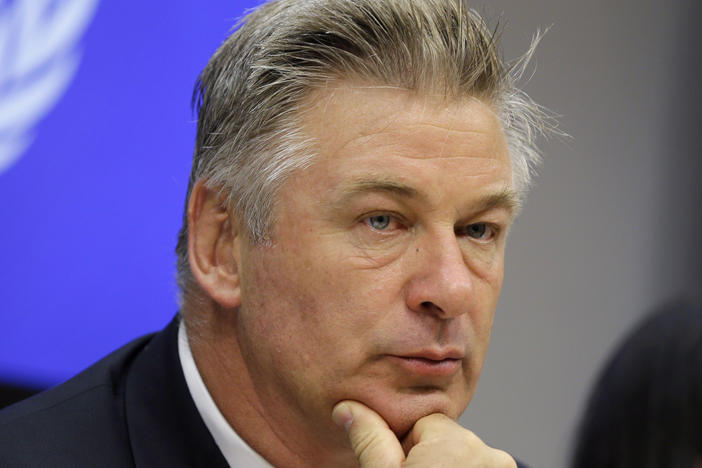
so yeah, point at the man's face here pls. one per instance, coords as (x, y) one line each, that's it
(386, 261)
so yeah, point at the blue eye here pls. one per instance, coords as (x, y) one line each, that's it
(379, 222)
(479, 231)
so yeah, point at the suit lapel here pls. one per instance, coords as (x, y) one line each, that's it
(165, 428)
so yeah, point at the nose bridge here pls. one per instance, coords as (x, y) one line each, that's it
(442, 284)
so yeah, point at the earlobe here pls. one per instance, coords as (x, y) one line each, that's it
(213, 240)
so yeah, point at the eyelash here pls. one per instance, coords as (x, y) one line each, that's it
(391, 218)
(490, 229)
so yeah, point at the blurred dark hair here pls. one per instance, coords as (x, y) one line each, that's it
(646, 407)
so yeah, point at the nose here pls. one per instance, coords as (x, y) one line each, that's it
(442, 282)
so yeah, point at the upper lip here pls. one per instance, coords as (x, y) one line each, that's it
(435, 354)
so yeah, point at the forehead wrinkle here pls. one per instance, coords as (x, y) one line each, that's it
(466, 141)
(386, 124)
(388, 137)
(451, 129)
(447, 133)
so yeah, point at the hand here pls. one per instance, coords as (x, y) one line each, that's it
(435, 440)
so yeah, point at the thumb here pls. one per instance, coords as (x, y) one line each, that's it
(374, 444)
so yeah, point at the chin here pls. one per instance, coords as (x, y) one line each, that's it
(401, 411)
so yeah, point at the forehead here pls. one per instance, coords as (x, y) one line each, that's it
(391, 131)
(345, 115)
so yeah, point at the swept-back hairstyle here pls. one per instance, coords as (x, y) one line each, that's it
(250, 95)
(645, 410)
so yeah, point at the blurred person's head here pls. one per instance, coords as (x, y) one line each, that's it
(646, 407)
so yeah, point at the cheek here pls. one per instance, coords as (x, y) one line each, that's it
(487, 285)
(304, 304)
(486, 262)
(487, 292)
(483, 316)
(488, 271)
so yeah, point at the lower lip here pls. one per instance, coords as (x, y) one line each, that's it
(428, 367)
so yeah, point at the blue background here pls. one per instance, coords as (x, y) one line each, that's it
(91, 210)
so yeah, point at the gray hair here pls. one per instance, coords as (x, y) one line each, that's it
(251, 93)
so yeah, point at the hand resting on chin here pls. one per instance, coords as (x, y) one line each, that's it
(434, 440)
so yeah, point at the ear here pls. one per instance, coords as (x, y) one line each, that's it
(214, 244)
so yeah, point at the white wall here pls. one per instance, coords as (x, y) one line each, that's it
(603, 237)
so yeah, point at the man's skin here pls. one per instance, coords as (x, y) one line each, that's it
(435, 440)
(377, 289)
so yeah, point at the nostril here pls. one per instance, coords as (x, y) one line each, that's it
(431, 307)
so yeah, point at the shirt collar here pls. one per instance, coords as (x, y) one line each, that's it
(235, 450)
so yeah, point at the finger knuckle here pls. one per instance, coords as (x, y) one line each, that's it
(504, 459)
(469, 438)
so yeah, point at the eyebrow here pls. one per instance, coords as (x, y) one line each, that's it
(381, 185)
(506, 198)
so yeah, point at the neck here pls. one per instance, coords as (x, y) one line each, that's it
(272, 426)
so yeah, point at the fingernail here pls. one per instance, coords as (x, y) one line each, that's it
(342, 416)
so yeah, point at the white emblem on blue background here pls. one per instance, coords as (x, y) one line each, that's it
(39, 55)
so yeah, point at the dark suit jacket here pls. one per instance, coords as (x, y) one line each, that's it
(131, 409)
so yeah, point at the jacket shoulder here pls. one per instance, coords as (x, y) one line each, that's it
(54, 428)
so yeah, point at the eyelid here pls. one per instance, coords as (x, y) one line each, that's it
(394, 217)
(495, 228)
